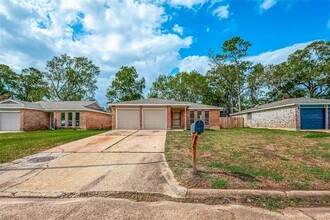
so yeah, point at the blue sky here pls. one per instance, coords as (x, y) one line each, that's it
(157, 37)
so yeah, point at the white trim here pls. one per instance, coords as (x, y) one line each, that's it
(154, 109)
(12, 100)
(9, 111)
(185, 118)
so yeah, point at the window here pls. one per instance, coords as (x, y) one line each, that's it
(223, 114)
(70, 119)
(199, 115)
(249, 116)
(77, 119)
(207, 118)
(62, 119)
(192, 120)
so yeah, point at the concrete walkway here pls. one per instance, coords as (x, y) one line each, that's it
(109, 208)
(115, 161)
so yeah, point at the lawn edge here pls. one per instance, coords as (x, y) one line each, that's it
(307, 195)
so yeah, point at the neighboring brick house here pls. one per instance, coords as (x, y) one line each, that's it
(162, 114)
(18, 115)
(293, 114)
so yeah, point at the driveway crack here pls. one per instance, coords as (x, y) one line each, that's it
(119, 141)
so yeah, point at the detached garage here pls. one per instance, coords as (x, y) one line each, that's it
(294, 114)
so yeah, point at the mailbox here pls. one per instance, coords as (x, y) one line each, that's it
(199, 126)
(192, 128)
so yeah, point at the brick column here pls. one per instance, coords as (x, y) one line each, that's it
(326, 116)
(169, 117)
(73, 119)
(113, 118)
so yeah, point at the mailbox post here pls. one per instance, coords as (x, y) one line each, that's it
(196, 129)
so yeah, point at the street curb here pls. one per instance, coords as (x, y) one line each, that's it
(219, 193)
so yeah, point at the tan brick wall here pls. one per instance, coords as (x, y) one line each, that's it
(273, 118)
(88, 120)
(113, 116)
(214, 119)
(96, 120)
(32, 120)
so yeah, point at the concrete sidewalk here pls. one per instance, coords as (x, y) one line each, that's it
(115, 161)
(109, 208)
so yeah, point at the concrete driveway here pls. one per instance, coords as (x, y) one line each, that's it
(115, 161)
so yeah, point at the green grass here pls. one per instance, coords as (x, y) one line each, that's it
(219, 184)
(17, 145)
(247, 171)
(272, 205)
(253, 158)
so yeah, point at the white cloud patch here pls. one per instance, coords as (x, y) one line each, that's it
(207, 29)
(187, 3)
(110, 33)
(328, 24)
(178, 29)
(277, 56)
(267, 4)
(221, 11)
(198, 63)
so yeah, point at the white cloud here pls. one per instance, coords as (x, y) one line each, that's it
(328, 25)
(198, 63)
(277, 56)
(221, 11)
(207, 29)
(267, 4)
(178, 29)
(120, 33)
(187, 3)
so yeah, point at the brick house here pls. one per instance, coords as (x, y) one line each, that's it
(18, 115)
(292, 114)
(162, 114)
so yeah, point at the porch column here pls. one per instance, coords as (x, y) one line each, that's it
(169, 117)
(185, 118)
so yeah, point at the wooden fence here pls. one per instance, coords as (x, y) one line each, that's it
(231, 122)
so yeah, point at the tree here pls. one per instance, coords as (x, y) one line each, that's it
(31, 86)
(126, 86)
(256, 80)
(8, 80)
(233, 51)
(71, 78)
(311, 69)
(183, 86)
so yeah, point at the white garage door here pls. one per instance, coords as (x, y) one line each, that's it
(128, 118)
(9, 121)
(154, 119)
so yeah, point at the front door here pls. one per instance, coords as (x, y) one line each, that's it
(176, 120)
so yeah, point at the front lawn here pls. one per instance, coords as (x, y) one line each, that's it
(17, 145)
(252, 158)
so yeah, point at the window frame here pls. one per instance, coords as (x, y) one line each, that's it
(192, 119)
(207, 119)
(70, 120)
(63, 116)
(77, 119)
(198, 115)
(249, 116)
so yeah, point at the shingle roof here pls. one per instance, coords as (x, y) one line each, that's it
(164, 102)
(285, 102)
(202, 106)
(151, 101)
(50, 105)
